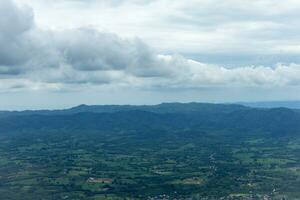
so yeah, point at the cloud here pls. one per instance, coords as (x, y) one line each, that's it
(39, 59)
(14, 23)
(107, 2)
(14, 20)
(88, 49)
(230, 33)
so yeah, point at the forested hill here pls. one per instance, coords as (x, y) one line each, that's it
(160, 108)
(168, 116)
(166, 151)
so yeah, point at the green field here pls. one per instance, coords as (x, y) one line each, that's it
(96, 166)
(145, 155)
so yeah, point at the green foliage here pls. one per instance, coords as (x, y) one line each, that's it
(236, 153)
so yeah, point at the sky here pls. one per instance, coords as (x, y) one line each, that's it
(61, 53)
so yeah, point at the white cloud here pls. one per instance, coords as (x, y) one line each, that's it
(36, 59)
(202, 27)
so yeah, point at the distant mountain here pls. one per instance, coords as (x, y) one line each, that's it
(273, 104)
(172, 116)
(160, 108)
(131, 151)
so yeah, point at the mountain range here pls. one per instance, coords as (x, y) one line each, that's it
(162, 116)
(165, 151)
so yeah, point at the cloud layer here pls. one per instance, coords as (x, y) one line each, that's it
(36, 59)
(232, 32)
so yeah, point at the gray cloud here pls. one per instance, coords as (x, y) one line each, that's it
(54, 60)
(68, 56)
(207, 27)
(110, 3)
(14, 20)
(25, 48)
(87, 49)
(14, 24)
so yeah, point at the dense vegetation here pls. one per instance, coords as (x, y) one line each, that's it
(165, 151)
